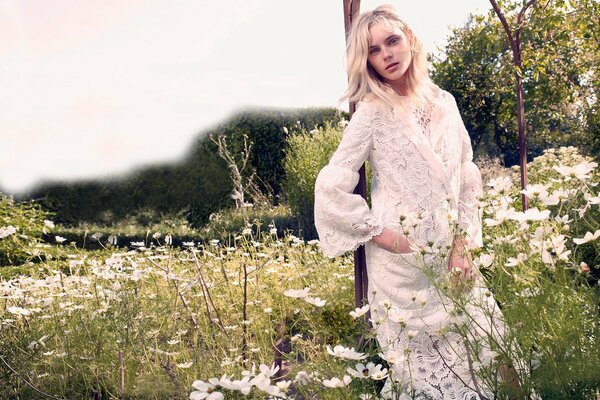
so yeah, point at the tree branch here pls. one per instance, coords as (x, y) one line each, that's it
(511, 40)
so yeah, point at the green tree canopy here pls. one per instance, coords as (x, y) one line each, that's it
(560, 47)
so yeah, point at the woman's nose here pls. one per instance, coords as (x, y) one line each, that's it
(386, 54)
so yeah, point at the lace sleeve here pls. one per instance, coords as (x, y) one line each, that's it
(469, 212)
(343, 219)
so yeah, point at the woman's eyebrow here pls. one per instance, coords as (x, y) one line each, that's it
(393, 35)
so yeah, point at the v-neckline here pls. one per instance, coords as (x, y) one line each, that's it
(425, 146)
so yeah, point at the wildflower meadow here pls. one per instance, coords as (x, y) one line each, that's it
(260, 314)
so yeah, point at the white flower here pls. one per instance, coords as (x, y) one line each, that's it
(361, 371)
(484, 260)
(49, 224)
(550, 200)
(206, 390)
(273, 231)
(519, 260)
(345, 352)
(137, 244)
(359, 311)
(420, 297)
(297, 294)
(335, 382)
(588, 237)
(580, 171)
(399, 316)
(453, 215)
(169, 239)
(247, 231)
(500, 185)
(156, 235)
(59, 239)
(370, 370)
(379, 374)
(185, 364)
(263, 383)
(189, 244)
(316, 301)
(564, 220)
(531, 214)
(244, 385)
(283, 385)
(267, 371)
(535, 190)
(313, 242)
(500, 216)
(590, 199)
(385, 303)
(7, 231)
(411, 334)
(18, 311)
(393, 357)
(267, 310)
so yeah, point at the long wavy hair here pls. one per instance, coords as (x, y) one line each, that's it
(362, 77)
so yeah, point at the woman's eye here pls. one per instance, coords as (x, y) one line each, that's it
(394, 40)
(373, 51)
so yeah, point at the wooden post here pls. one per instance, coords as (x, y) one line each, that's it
(351, 9)
(121, 375)
(515, 45)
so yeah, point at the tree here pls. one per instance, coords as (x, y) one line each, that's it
(560, 80)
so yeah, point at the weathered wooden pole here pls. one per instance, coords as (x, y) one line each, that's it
(351, 9)
(515, 45)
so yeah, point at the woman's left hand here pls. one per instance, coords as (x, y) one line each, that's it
(461, 266)
(460, 262)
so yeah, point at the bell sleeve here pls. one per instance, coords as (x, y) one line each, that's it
(469, 210)
(343, 219)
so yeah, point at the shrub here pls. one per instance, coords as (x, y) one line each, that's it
(21, 227)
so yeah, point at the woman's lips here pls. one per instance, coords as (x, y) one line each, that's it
(391, 66)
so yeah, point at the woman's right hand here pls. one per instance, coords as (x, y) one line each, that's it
(392, 242)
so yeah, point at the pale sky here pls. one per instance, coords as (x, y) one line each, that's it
(94, 88)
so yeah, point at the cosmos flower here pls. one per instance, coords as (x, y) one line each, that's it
(370, 370)
(346, 352)
(580, 171)
(206, 390)
(358, 312)
(588, 237)
(7, 231)
(315, 301)
(336, 383)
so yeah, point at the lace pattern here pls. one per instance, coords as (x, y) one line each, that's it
(409, 176)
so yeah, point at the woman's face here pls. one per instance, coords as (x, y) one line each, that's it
(389, 55)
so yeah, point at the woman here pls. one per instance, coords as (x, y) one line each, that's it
(411, 133)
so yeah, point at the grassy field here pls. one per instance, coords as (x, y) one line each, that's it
(254, 312)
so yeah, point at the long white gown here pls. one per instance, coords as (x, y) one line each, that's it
(421, 159)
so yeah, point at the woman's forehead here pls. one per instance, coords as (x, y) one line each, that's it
(379, 32)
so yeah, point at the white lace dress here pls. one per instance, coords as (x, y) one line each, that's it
(421, 159)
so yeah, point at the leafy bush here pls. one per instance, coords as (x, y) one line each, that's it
(545, 269)
(199, 183)
(21, 227)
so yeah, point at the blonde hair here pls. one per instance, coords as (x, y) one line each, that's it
(362, 77)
